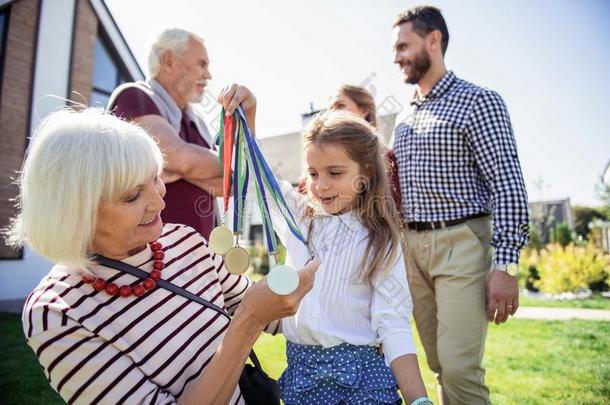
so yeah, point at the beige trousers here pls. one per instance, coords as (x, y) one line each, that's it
(447, 272)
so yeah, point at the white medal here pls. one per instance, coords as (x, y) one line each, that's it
(283, 280)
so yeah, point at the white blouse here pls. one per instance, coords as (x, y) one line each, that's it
(339, 309)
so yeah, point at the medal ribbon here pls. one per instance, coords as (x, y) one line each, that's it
(237, 146)
(265, 178)
(224, 141)
(240, 187)
(227, 157)
(261, 195)
(230, 142)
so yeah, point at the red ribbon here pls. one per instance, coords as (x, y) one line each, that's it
(227, 157)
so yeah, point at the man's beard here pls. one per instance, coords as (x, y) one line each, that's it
(187, 88)
(194, 96)
(419, 67)
(198, 98)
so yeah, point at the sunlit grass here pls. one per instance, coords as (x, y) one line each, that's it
(527, 361)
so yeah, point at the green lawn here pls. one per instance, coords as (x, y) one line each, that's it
(528, 362)
(21, 378)
(595, 302)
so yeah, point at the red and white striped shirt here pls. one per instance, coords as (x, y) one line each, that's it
(97, 348)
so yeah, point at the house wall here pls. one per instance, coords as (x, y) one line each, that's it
(15, 106)
(83, 53)
(284, 154)
(49, 60)
(41, 46)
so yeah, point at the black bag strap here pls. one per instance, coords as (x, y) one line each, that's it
(139, 273)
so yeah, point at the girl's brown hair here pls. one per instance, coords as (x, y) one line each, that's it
(374, 206)
(363, 99)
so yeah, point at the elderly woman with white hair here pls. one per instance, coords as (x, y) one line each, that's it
(90, 187)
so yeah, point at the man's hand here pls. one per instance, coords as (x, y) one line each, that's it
(232, 96)
(502, 296)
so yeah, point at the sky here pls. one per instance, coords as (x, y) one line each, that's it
(548, 59)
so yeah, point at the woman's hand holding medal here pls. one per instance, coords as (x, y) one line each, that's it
(279, 306)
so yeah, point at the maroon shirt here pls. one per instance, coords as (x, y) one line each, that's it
(184, 203)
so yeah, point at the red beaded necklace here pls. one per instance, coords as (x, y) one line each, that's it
(138, 290)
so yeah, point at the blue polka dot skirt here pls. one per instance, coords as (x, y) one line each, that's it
(344, 374)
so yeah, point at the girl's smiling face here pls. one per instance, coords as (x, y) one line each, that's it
(334, 178)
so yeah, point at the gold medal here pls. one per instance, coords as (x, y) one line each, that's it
(221, 240)
(283, 280)
(237, 260)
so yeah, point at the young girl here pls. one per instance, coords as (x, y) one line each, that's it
(360, 101)
(360, 299)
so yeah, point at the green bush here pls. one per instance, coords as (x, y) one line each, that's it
(535, 238)
(566, 269)
(281, 256)
(561, 234)
(528, 273)
(583, 216)
(259, 258)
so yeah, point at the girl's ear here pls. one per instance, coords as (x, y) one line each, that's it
(365, 184)
(368, 172)
(361, 183)
(364, 179)
(364, 112)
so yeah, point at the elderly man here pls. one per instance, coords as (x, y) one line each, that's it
(458, 167)
(164, 106)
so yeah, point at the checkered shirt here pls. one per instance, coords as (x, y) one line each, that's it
(457, 157)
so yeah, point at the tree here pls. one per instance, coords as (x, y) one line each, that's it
(603, 191)
(536, 241)
(561, 234)
(541, 218)
(583, 216)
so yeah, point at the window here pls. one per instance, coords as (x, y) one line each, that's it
(256, 234)
(108, 72)
(3, 34)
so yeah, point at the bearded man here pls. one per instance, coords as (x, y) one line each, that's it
(459, 174)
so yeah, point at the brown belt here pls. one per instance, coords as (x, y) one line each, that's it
(428, 226)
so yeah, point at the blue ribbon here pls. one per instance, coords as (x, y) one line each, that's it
(247, 149)
(257, 156)
(260, 189)
(239, 199)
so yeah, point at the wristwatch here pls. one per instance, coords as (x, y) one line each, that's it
(512, 269)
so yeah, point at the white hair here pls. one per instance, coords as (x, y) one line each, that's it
(75, 161)
(173, 40)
